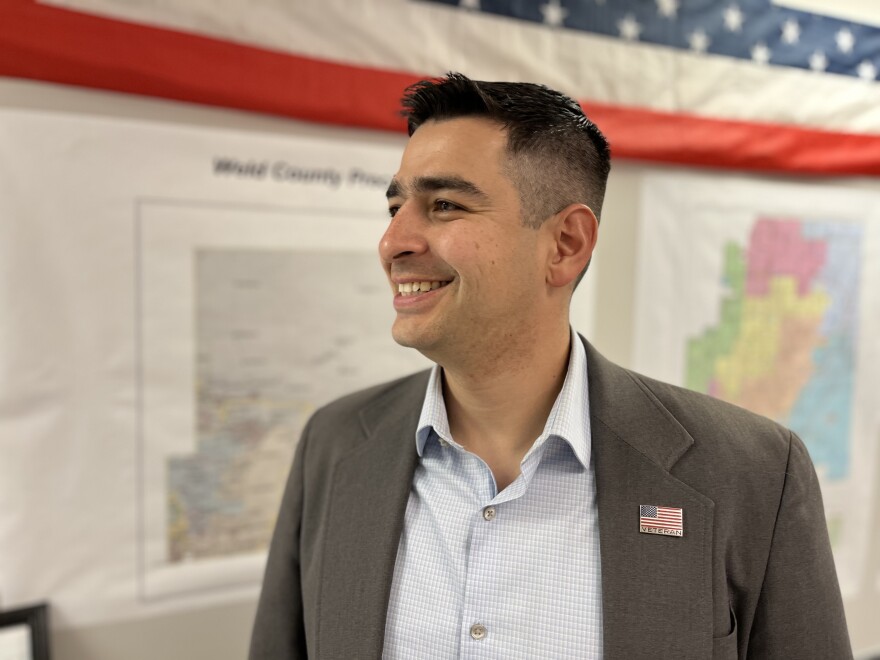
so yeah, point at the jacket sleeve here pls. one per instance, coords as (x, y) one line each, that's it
(279, 629)
(800, 611)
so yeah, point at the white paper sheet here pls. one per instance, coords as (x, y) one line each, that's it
(15, 643)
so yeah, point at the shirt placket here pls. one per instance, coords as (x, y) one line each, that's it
(482, 631)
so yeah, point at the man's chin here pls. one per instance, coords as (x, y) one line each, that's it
(406, 339)
(420, 339)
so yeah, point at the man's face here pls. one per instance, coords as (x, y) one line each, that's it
(456, 226)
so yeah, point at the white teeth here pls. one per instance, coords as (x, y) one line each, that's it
(409, 288)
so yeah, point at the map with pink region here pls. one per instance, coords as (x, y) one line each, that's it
(785, 343)
(778, 248)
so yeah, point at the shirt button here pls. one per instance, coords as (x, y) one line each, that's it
(478, 631)
(489, 513)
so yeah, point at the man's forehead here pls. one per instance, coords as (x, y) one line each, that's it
(453, 154)
(450, 136)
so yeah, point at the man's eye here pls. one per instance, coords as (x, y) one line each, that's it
(392, 210)
(443, 205)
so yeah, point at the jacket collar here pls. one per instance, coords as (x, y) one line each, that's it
(623, 403)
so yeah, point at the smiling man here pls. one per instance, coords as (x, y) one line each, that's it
(526, 498)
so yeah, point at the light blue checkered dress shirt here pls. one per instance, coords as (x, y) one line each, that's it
(510, 574)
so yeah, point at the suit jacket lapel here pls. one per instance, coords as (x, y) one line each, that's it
(367, 507)
(656, 590)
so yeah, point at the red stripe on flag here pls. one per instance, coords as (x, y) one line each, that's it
(690, 140)
(57, 45)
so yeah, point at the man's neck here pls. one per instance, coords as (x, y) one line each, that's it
(498, 414)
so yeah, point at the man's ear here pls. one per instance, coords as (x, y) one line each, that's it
(575, 231)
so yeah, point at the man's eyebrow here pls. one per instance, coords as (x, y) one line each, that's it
(426, 184)
(394, 190)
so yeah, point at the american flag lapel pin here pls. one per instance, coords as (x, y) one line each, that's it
(665, 520)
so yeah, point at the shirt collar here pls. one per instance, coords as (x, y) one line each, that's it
(569, 418)
(433, 416)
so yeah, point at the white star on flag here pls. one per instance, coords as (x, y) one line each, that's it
(733, 18)
(667, 8)
(554, 13)
(760, 53)
(629, 28)
(791, 31)
(818, 61)
(867, 70)
(699, 41)
(845, 40)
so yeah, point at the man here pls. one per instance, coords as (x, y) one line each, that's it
(527, 498)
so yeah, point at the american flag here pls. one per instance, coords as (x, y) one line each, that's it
(661, 518)
(762, 31)
(746, 84)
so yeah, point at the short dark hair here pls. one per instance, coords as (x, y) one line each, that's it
(558, 156)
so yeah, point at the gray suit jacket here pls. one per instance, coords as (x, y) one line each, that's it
(752, 577)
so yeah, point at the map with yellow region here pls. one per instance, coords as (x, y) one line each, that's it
(785, 343)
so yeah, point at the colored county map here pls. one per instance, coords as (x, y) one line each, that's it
(785, 342)
(278, 333)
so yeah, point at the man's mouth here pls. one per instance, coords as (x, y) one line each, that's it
(414, 288)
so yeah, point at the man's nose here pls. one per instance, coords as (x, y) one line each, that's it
(404, 236)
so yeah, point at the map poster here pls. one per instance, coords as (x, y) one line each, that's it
(767, 295)
(272, 323)
(179, 300)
